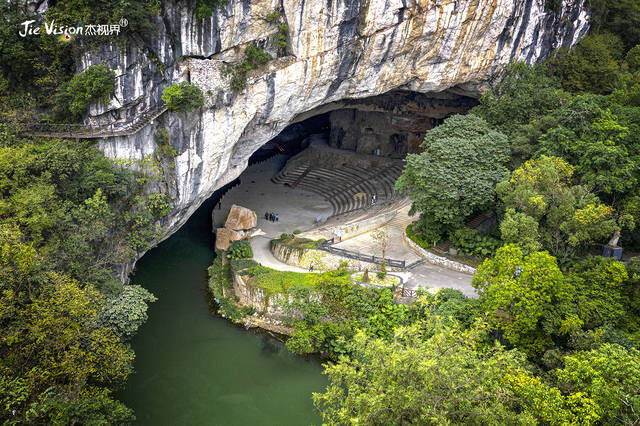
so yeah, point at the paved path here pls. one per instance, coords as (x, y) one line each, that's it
(298, 209)
(424, 275)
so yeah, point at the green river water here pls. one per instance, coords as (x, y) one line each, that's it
(196, 369)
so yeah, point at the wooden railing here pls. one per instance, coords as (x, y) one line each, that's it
(83, 131)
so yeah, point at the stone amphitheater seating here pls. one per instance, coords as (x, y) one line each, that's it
(348, 188)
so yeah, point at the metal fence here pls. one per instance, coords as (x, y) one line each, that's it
(328, 247)
(92, 131)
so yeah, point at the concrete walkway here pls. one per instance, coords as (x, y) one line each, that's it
(298, 209)
(423, 275)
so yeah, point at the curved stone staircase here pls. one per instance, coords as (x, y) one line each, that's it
(348, 189)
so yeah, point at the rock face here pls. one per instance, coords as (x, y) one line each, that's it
(241, 218)
(339, 53)
(225, 236)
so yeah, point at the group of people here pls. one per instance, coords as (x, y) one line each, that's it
(272, 217)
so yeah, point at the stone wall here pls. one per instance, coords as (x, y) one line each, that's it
(268, 315)
(435, 259)
(321, 260)
(393, 125)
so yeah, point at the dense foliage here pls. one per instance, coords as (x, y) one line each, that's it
(553, 337)
(65, 317)
(254, 57)
(97, 82)
(34, 69)
(183, 97)
(456, 174)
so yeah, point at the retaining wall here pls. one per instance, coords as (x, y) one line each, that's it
(435, 259)
(321, 260)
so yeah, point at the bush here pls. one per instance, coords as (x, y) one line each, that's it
(240, 250)
(297, 231)
(205, 8)
(285, 236)
(256, 56)
(425, 234)
(281, 37)
(98, 82)
(183, 97)
(163, 142)
(474, 243)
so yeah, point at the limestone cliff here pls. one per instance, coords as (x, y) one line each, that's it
(338, 51)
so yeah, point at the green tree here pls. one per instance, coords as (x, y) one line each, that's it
(521, 295)
(125, 313)
(520, 229)
(56, 346)
(183, 97)
(97, 82)
(598, 151)
(456, 173)
(426, 374)
(569, 217)
(609, 376)
(592, 66)
(622, 17)
(599, 285)
(524, 94)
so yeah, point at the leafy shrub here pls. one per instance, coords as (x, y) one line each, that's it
(183, 97)
(474, 243)
(281, 37)
(296, 231)
(238, 265)
(256, 56)
(273, 17)
(240, 250)
(424, 237)
(127, 312)
(158, 205)
(163, 142)
(205, 8)
(98, 82)
(285, 236)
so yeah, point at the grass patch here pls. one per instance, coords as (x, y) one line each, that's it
(274, 281)
(299, 243)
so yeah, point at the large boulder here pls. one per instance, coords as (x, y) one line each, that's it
(224, 238)
(241, 218)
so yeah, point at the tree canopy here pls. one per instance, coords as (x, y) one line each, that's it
(456, 173)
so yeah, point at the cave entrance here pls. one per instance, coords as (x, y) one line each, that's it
(390, 125)
(335, 164)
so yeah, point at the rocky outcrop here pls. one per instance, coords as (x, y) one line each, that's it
(241, 218)
(240, 223)
(339, 52)
(224, 238)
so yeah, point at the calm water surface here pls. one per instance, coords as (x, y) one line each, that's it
(195, 369)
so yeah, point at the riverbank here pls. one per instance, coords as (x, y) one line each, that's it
(195, 368)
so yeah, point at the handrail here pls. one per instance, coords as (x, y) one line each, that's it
(83, 131)
(327, 246)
